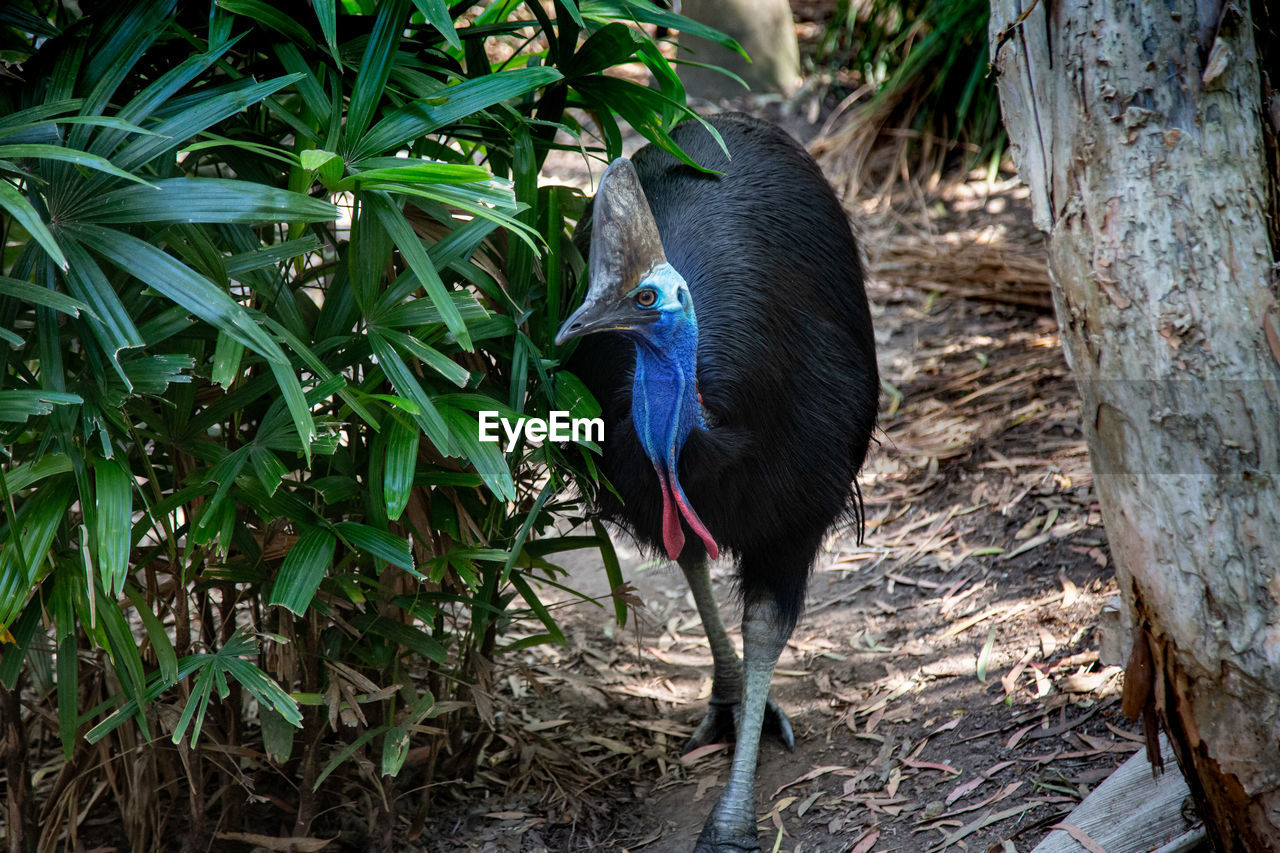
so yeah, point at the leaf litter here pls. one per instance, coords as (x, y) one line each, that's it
(944, 684)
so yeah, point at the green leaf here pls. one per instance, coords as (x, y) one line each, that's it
(486, 456)
(612, 570)
(110, 320)
(392, 314)
(25, 291)
(205, 200)
(207, 301)
(395, 746)
(277, 734)
(573, 396)
(111, 122)
(375, 66)
(611, 45)
(14, 653)
(309, 87)
(160, 642)
(123, 650)
(40, 113)
(227, 353)
(180, 284)
(377, 543)
(205, 113)
(22, 557)
(451, 104)
(128, 35)
(641, 11)
(158, 93)
(152, 374)
(113, 528)
(406, 384)
(412, 638)
(303, 569)
(270, 256)
(327, 15)
(25, 215)
(17, 406)
(29, 473)
(129, 708)
(539, 609)
(415, 254)
(418, 172)
(23, 20)
(401, 463)
(268, 467)
(642, 108)
(517, 545)
(314, 158)
(67, 155)
(346, 752)
(436, 360)
(437, 15)
(223, 473)
(212, 671)
(269, 15)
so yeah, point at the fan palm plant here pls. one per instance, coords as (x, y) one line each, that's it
(260, 271)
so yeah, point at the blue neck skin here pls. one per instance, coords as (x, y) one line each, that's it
(664, 398)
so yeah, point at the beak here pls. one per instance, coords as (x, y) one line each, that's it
(602, 315)
(624, 245)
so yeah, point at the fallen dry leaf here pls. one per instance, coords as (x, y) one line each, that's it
(812, 774)
(1081, 836)
(962, 789)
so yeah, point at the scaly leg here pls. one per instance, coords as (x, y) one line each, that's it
(720, 724)
(731, 825)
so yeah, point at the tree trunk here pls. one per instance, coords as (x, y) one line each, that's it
(765, 30)
(1138, 128)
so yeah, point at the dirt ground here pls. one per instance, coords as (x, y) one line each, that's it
(945, 684)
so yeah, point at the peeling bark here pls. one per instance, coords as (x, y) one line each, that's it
(1138, 127)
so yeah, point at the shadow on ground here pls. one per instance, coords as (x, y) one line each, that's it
(945, 683)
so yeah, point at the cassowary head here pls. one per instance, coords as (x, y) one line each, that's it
(634, 291)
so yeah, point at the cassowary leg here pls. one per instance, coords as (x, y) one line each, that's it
(720, 724)
(732, 823)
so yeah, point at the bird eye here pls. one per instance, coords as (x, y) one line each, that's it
(646, 298)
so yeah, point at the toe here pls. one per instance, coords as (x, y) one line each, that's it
(716, 727)
(777, 724)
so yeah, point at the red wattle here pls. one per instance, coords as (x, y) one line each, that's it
(699, 528)
(672, 532)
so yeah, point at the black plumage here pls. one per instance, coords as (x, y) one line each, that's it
(786, 359)
(786, 385)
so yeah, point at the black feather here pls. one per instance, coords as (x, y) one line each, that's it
(786, 357)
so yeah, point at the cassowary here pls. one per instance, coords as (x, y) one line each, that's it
(729, 343)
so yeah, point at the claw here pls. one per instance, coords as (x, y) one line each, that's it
(720, 725)
(777, 724)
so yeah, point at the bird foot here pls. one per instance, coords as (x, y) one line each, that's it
(720, 725)
(727, 831)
